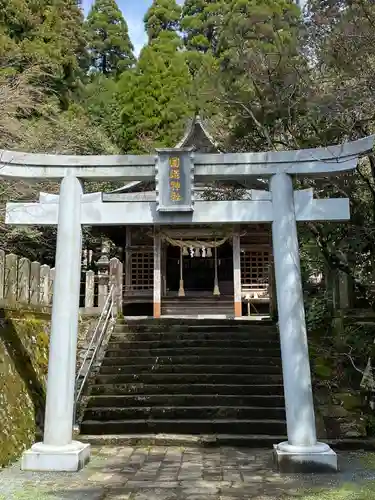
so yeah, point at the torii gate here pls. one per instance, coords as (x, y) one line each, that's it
(175, 172)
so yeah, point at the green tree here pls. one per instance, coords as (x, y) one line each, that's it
(47, 34)
(110, 47)
(263, 74)
(163, 15)
(18, 18)
(277, 98)
(341, 36)
(101, 101)
(31, 120)
(201, 23)
(156, 98)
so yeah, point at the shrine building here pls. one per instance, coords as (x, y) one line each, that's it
(206, 269)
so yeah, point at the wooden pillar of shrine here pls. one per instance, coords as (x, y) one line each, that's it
(181, 291)
(128, 258)
(237, 273)
(272, 289)
(157, 273)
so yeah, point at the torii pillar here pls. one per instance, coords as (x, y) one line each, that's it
(302, 452)
(58, 452)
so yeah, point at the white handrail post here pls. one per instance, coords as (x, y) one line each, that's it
(106, 315)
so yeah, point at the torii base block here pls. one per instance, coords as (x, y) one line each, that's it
(290, 459)
(48, 458)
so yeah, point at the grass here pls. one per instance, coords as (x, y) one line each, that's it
(368, 460)
(360, 490)
(28, 495)
(365, 491)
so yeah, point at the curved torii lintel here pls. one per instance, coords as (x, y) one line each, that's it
(310, 162)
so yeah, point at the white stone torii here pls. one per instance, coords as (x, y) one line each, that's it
(283, 207)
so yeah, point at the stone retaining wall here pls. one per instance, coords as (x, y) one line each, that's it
(23, 369)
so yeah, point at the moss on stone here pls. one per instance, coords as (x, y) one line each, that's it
(339, 401)
(323, 370)
(349, 400)
(24, 341)
(23, 368)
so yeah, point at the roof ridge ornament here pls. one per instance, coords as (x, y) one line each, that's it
(189, 133)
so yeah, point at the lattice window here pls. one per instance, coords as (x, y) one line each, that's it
(255, 269)
(142, 270)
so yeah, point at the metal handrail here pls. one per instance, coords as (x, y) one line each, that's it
(106, 315)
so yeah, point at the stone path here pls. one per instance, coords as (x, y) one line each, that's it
(176, 473)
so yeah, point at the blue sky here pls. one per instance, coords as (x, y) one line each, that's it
(133, 11)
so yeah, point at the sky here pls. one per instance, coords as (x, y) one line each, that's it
(133, 11)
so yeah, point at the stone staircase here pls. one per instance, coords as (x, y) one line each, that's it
(217, 379)
(195, 306)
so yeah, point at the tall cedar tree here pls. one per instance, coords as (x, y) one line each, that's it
(110, 47)
(163, 15)
(156, 98)
(260, 71)
(201, 22)
(101, 101)
(49, 35)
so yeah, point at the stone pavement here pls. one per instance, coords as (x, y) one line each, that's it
(175, 473)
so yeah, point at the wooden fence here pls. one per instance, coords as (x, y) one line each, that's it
(26, 282)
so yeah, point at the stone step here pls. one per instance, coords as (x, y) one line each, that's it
(197, 302)
(195, 351)
(218, 426)
(121, 336)
(192, 343)
(185, 413)
(207, 296)
(156, 367)
(186, 388)
(193, 360)
(131, 400)
(193, 323)
(226, 308)
(195, 310)
(189, 378)
(248, 326)
(168, 439)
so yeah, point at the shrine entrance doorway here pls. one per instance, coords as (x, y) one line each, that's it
(199, 271)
